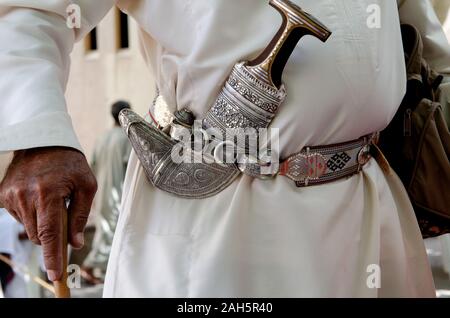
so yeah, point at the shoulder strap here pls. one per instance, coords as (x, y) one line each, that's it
(413, 47)
(423, 81)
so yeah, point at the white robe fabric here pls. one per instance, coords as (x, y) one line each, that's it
(256, 238)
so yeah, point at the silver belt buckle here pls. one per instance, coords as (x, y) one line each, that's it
(305, 167)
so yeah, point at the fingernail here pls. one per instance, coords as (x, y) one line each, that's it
(79, 237)
(52, 275)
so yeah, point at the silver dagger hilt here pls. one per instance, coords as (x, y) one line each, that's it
(269, 65)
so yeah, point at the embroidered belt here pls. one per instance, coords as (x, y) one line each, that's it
(318, 165)
(311, 166)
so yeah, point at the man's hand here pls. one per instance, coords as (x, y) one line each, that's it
(34, 190)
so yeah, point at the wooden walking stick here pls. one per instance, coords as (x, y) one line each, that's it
(62, 290)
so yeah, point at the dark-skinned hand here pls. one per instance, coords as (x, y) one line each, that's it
(37, 184)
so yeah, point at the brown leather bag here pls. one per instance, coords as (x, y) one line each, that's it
(417, 142)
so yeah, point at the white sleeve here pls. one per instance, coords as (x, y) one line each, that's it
(35, 44)
(421, 14)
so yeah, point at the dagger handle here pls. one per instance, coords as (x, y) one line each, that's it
(269, 65)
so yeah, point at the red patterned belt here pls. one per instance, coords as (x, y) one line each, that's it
(318, 165)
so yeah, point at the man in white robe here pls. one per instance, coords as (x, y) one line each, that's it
(109, 163)
(256, 238)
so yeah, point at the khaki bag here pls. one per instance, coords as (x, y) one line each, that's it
(417, 141)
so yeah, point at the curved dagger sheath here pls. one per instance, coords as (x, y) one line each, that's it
(250, 97)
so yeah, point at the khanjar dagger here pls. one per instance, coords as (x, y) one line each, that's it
(250, 98)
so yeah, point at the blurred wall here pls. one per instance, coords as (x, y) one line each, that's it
(442, 8)
(99, 78)
(4, 160)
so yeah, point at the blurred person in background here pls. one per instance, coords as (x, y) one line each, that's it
(109, 164)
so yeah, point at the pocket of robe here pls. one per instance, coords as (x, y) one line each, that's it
(154, 266)
(155, 241)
